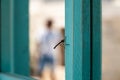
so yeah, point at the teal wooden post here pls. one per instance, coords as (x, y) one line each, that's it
(77, 40)
(69, 39)
(21, 37)
(96, 33)
(6, 46)
(78, 36)
(79, 54)
(86, 29)
(4, 76)
(15, 37)
(0, 36)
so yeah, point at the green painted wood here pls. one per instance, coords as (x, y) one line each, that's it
(15, 35)
(86, 39)
(96, 40)
(0, 36)
(77, 40)
(13, 77)
(69, 39)
(79, 37)
(16, 58)
(4, 77)
(21, 37)
(6, 36)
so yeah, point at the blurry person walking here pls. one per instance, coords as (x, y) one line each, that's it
(47, 42)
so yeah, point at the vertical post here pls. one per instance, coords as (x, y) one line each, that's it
(69, 39)
(77, 40)
(6, 36)
(14, 37)
(21, 37)
(0, 36)
(96, 39)
(78, 31)
(86, 29)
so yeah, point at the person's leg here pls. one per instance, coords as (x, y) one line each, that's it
(52, 68)
(49, 60)
(42, 63)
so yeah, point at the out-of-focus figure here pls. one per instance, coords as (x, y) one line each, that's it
(47, 54)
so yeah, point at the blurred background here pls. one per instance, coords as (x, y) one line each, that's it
(47, 22)
(110, 39)
(47, 18)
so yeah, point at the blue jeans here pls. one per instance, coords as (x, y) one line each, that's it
(46, 60)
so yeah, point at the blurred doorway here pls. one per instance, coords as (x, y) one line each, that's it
(47, 22)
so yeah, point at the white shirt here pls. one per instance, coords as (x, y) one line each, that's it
(48, 41)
